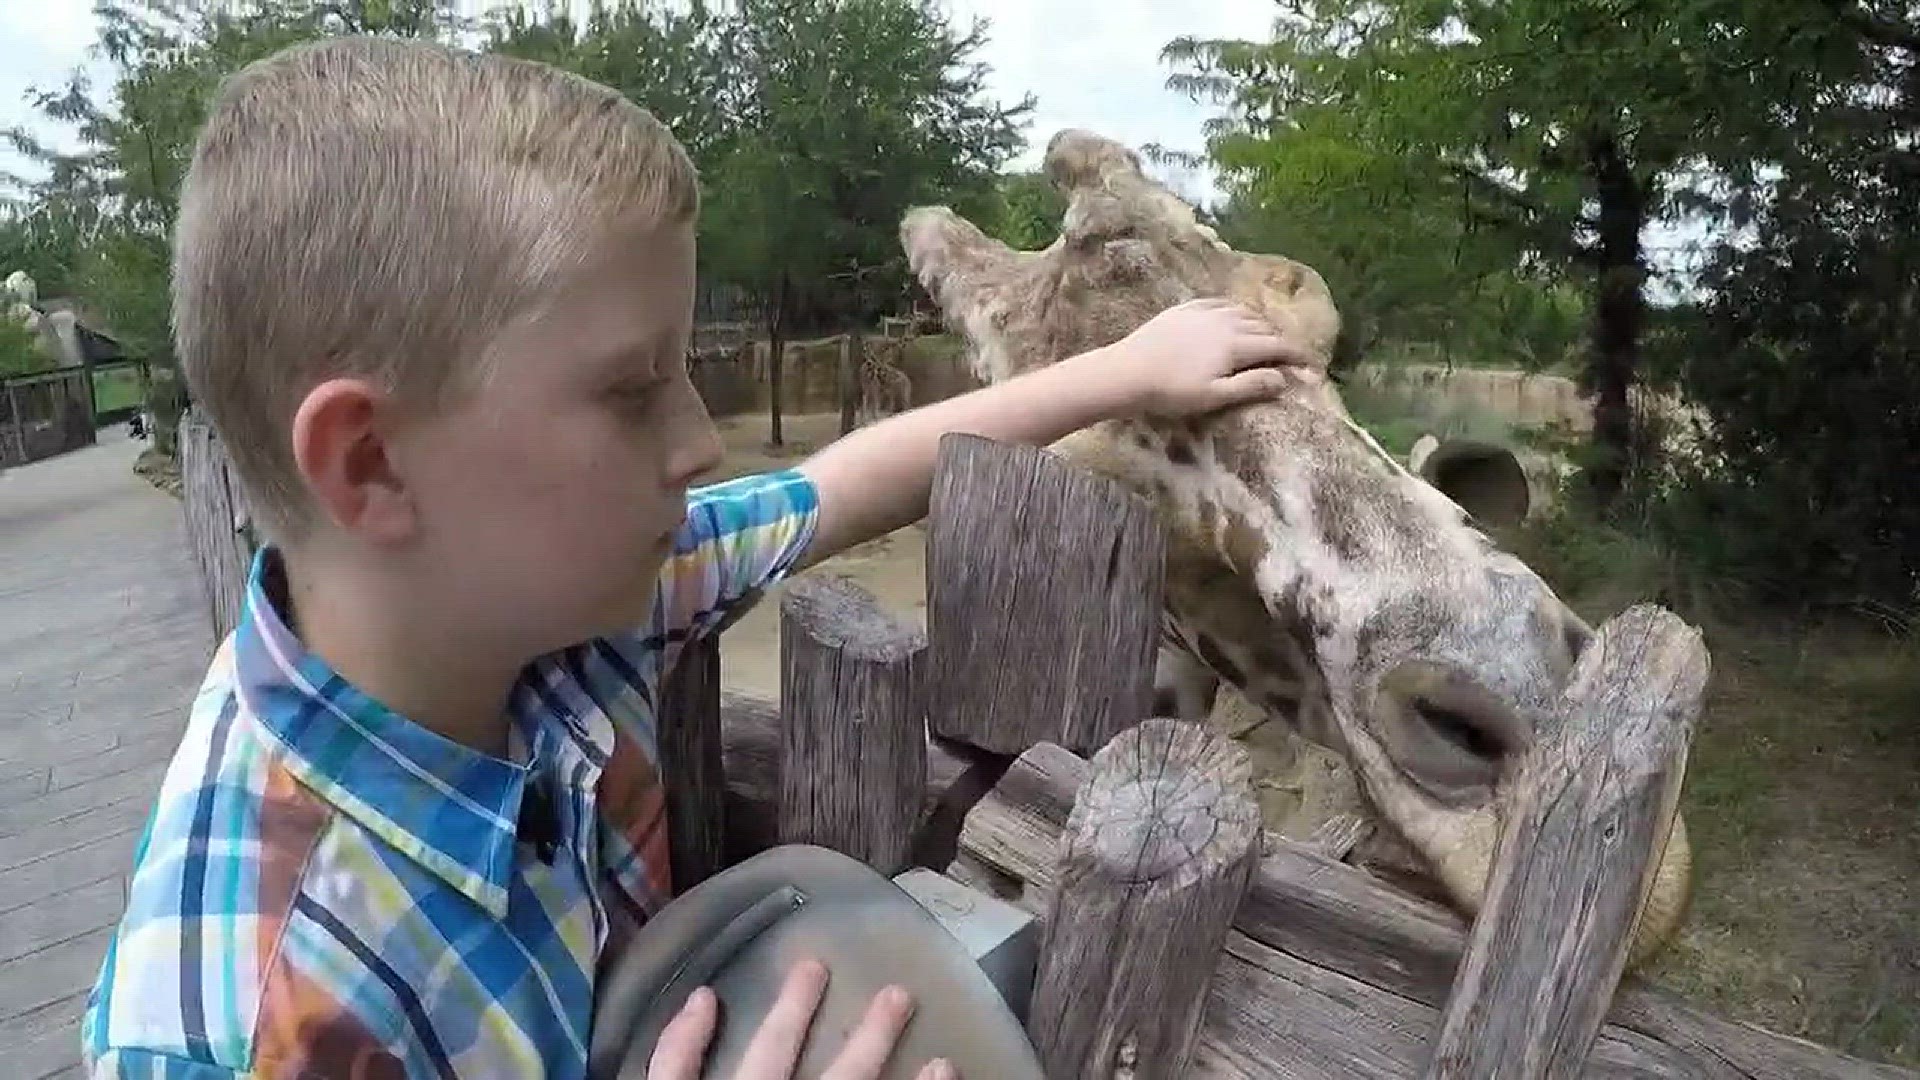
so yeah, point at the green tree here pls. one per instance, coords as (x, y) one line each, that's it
(1028, 211)
(1806, 352)
(48, 241)
(673, 63)
(851, 111)
(1563, 128)
(116, 197)
(19, 349)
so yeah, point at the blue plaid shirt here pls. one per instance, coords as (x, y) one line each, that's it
(326, 889)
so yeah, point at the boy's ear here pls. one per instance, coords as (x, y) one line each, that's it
(341, 448)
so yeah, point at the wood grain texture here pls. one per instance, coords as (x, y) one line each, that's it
(1339, 919)
(751, 736)
(848, 375)
(1581, 841)
(854, 744)
(1272, 1014)
(692, 766)
(218, 519)
(18, 425)
(1160, 845)
(1043, 599)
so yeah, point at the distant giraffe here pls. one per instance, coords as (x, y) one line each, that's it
(884, 388)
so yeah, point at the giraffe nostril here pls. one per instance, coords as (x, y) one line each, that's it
(1458, 729)
(1444, 732)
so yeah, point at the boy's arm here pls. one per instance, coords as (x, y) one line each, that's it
(1189, 359)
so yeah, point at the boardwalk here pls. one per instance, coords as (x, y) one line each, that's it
(103, 638)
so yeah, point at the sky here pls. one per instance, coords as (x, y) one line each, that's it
(40, 44)
(1103, 74)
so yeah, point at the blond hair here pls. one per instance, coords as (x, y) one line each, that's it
(384, 208)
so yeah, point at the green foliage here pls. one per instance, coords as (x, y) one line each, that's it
(19, 348)
(1027, 210)
(1447, 162)
(815, 124)
(853, 111)
(1804, 353)
(1805, 360)
(102, 219)
(47, 241)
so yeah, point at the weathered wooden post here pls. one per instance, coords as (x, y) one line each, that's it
(19, 422)
(1332, 971)
(853, 766)
(219, 522)
(1043, 600)
(849, 379)
(691, 766)
(1577, 856)
(1163, 839)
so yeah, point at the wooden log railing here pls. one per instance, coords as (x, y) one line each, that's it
(1214, 950)
(853, 724)
(1162, 841)
(1583, 839)
(219, 522)
(1331, 972)
(1044, 621)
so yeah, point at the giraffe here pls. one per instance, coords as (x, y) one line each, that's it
(1336, 591)
(884, 388)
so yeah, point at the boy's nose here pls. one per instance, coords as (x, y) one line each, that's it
(700, 452)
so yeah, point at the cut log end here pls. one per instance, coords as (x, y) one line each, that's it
(838, 613)
(1158, 851)
(1167, 799)
(854, 736)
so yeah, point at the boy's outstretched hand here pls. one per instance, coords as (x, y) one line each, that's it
(776, 1046)
(1197, 357)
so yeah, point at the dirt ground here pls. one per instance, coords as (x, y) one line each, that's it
(1802, 799)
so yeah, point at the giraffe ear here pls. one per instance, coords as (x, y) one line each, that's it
(952, 259)
(1485, 480)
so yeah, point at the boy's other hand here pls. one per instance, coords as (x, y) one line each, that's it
(775, 1048)
(1200, 356)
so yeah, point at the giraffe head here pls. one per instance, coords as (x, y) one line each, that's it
(1339, 592)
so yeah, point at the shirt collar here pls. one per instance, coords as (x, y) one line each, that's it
(450, 808)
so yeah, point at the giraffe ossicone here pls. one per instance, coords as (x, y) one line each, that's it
(1335, 590)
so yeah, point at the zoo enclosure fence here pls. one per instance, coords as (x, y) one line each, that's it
(1009, 747)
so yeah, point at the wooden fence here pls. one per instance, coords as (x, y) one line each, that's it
(1009, 746)
(45, 413)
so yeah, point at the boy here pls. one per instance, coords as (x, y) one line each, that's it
(437, 305)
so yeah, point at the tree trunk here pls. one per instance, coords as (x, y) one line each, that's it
(1618, 316)
(776, 356)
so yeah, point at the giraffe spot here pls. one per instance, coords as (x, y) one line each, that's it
(1240, 458)
(1218, 660)
(1209, 519)
(1275, 699)
(1143, 440)
(1166, 701)
(1335, 520)
(1179, 450)
(1245, 546)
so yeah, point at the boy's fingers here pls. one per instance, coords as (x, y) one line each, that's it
(872, 1042)
(1265, 347)
(1256, 384)
(683, 1043)
(776, 1046)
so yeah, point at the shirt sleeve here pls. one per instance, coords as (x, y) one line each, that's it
(740, 537)
(146, 1065)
